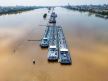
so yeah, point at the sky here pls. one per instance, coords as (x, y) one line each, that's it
(50, 2)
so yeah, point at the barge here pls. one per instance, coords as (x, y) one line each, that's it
(55, 41)
(53, 49)
(45, 40)
(64, 55)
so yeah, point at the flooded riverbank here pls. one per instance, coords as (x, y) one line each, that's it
(16, 9)
(87, 41)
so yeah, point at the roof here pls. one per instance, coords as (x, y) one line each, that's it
(45, 38)
(52, 47)
(63, 49)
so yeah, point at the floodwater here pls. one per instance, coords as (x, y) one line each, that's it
(87, 38)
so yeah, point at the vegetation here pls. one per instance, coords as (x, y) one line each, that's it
(98, 10)
(16, 9)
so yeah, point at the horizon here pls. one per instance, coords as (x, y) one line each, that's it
(50, 2)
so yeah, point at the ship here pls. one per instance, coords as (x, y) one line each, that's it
(64, 54)
(53, 47)
(45, 40)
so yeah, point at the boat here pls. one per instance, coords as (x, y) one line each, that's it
(33, 61)
(52, 20)
(53, 14)
(52, 53)
(45, 15)
(45, 40)
(53, 17)
(64, 55)
(53, 49)
(44, 43)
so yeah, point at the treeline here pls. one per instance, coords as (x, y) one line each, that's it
(98, 10)
(16, 9)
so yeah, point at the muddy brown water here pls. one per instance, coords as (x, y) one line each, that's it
(87, 38)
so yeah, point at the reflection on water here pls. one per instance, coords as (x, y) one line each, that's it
(87, 40)
(13, 13)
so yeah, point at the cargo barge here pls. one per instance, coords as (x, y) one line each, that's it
(53, 49)
(64, 55)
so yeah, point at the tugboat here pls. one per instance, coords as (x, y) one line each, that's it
(49, 8)
(52, 20)
(45, 15)
(53, 14)
(44, 43)
(53, 17)
(33, 61)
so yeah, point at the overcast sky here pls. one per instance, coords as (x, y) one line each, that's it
(50, 2)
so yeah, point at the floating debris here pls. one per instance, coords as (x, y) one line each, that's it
(33, 61)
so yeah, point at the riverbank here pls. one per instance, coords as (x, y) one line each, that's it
(16, 9)
(98, 10)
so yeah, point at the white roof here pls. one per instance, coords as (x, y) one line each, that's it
(52, 47)
(52, 55)
(63, 49)
(45, 38)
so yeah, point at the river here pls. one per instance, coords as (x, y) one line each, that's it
(87, 38)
